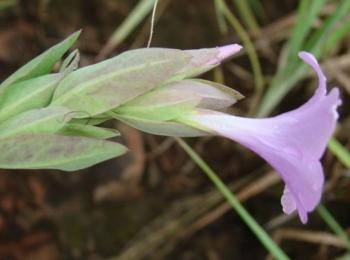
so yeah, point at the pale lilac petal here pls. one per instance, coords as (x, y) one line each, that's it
(292, 143)
(301, 171)
(228, 51)
(212, 56)
(203, 60)
(288, 202)
(311, 60)
(310, 124)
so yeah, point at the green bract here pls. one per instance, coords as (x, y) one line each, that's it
(50, 119)
(28, 94)
(157, 111)
(48, 151)
(42, 120)
(42, 64)
(35, 134)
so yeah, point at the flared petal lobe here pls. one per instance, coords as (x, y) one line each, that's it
(292, 143)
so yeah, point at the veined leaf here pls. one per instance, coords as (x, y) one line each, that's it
(42, 64)
(43, 120)
(104, 86)
(160, 105)
(74, 129)
(28, 94)
(101, 87)
(47, 151)
(174, 99)
(91, 120)
(166, 128)
(213, 95)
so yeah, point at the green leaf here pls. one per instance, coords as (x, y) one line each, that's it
(42, 64)
(91, 120)
(166, 128)
(71, 62)
(213, 95)
(43, 120)
(28, 94)
(46, 151)
(104, 86)
(175, 99)
(101, 87)
(160, 105)
(74, 129)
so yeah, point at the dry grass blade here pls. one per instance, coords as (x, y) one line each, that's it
(247, 192)
(314, 237)
(308, 236)
(161, 236)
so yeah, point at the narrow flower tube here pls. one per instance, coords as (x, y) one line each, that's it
(292, 143)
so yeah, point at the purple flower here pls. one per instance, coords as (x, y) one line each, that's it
(292, 143)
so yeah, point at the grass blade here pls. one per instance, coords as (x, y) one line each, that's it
(333, 224)
(259, 232)
(135, 17)
(247, 15)
(220, 18)
(340, 152)
(307, 13)
(249, 47)
(289, 74)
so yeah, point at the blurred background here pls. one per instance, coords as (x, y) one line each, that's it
(154, 203)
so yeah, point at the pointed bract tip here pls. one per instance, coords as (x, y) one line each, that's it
(228, 50)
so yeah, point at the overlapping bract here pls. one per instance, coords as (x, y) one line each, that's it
(63, 108)
(50, 120)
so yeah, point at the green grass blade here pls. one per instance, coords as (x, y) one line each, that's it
(220, 18)
(249, 47)
(333, 224)
(340, 152)
(338, 35)
(135, 17)
(307, 13)
(258, 9)
(246, 15)
(259, 232)
(294, 70)
(4, 4)
(318, 40)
